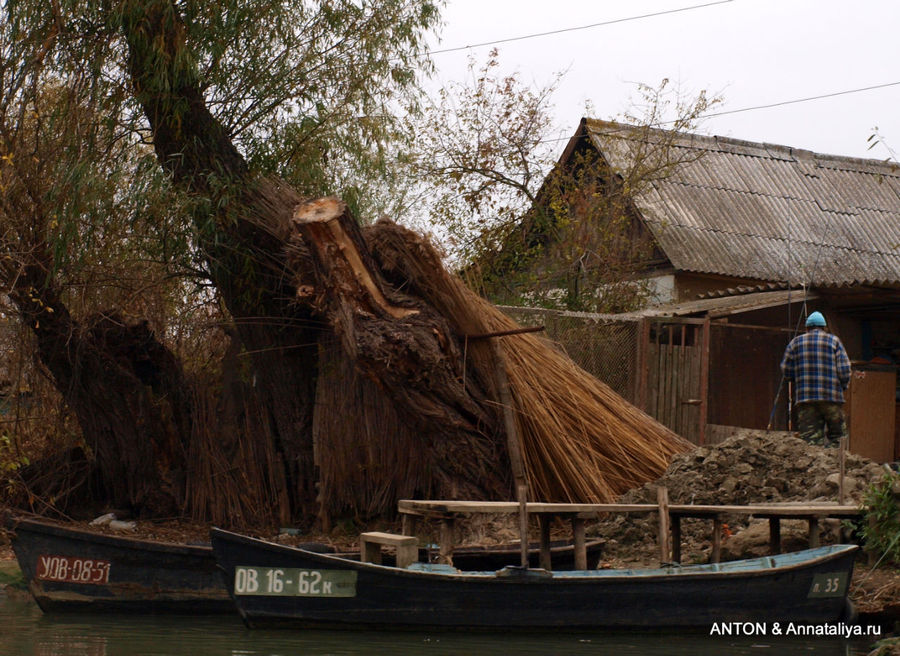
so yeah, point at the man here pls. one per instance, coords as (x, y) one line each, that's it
(818, 364)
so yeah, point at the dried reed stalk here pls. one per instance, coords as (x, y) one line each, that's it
(367, 456)
(235, 477)
(581, 441)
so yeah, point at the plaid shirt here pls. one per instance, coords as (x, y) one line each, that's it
(818, 364)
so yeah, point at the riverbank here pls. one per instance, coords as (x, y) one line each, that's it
(753, 467)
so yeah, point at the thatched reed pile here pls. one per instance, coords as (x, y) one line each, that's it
(581, 441)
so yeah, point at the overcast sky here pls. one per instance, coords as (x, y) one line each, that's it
(751, 52)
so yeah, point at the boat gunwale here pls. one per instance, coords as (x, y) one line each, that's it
(118, 541)
(834, 552)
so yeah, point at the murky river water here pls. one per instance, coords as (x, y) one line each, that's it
(25, 631)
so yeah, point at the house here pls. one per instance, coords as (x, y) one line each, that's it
(742, 241)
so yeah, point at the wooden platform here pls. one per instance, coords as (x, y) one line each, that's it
(670, 516)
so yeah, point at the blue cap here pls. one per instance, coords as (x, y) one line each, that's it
(815, 320)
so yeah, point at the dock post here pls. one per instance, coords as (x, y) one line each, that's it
(676, 539)
(716, 555)
(775, 535)
(578, 539)
(545, 562)
(662, 497)
(448, 539)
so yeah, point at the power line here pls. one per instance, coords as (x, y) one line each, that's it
(776, 104)
(800, 100)
(579, 27)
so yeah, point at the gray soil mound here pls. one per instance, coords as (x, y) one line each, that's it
(748, 468)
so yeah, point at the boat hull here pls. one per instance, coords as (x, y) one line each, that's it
(73, 570)
(809, 588)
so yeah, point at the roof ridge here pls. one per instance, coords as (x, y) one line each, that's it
(722, 143)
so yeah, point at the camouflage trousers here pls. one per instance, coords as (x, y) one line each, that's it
(821, 422)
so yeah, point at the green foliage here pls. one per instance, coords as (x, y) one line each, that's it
(307, 90)
(311, 91)
(881, 520)
(12, 576)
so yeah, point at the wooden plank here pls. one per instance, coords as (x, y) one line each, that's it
(682, 386)
(388, 539)
(653, 380)
(408, 524)
(788, 511)
(667, 395)
(842, 455)
(433, 507)
(870, 409)
(642, 364)
(704, 383)
(438, 507)
(513, 444)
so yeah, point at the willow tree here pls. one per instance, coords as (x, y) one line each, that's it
(357, 341)
(247, 106)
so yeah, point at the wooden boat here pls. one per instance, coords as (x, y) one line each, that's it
(275, 585)
(68, 569)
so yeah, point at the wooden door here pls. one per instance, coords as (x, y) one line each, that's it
(675, 373)
(871, 409)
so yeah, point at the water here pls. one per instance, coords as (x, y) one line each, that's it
(25, 631)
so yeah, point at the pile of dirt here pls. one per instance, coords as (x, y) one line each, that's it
(747, 468)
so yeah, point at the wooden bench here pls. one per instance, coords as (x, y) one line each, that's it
(370, 547)
(774, 512)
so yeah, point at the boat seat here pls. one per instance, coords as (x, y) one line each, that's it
(370, 547)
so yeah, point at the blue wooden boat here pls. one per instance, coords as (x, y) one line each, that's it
(275, 585)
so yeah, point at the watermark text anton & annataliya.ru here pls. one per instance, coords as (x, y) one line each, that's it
(835, 629)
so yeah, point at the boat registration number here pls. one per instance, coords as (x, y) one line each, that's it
(72, 569)
(293, 582)
(833, 584)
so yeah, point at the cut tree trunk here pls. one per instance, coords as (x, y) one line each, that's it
(408, 350)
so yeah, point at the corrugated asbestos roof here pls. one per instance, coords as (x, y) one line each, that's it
(765, 212)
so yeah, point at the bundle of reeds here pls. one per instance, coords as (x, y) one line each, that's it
(581, 441)
(366, 455)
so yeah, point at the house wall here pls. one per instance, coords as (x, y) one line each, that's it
(661, 289)
(688, 286)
